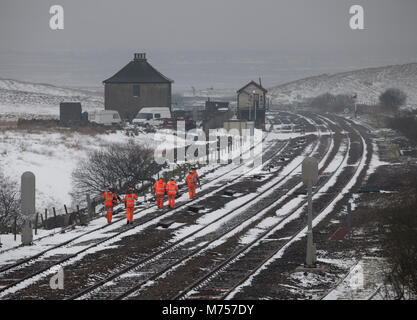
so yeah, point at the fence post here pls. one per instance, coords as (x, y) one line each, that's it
(78, 214)
(46, 218)
(36, 223)
(15, 228)
(43, 223)
(88, 207)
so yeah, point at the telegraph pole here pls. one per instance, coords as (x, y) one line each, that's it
(310, 256)
(310, 177)
(355, 111)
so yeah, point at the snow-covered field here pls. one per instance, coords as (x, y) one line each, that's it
(25, 100)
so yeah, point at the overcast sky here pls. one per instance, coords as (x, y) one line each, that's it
(277, 29)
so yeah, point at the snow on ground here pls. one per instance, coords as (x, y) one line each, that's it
(375, 161)
(362, 282)
(297, 213)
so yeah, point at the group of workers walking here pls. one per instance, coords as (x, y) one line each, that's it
(111, 199)
(171, 188)
(160, 188)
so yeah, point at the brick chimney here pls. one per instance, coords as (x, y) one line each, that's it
(139, 56)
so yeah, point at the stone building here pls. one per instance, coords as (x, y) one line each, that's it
(251, 103)
(135, 86)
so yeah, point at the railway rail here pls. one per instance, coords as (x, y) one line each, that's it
(106, 288)
(49, 264)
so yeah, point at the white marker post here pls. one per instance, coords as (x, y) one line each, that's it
(27, 205)
(310, 172)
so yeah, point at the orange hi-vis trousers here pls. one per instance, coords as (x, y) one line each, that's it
(109, 213)
(160, 201)
(129, 213)
(171, 200)
(191, 190)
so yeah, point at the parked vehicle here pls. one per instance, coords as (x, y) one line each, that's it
(105, 117)
(152, 116)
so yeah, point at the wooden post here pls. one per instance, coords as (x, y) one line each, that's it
(36, 223)
(78, 214)
(43, 224)
(53, 208)
(46, 218)
(15, 228)
(66, 213)
(88, 207)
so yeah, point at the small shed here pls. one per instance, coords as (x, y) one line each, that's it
(70, 111)
(215, 114)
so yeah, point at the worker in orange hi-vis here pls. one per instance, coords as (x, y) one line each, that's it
(110, 200)
(130, 205)
(159, 190)
(172, 190)
(196, 179)
(189, 180)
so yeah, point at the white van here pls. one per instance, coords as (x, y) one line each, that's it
(152, 115)
(106, 117)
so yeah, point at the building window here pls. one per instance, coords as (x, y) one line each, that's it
(136, 90)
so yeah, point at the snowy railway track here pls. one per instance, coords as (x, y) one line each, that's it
(119, 284)
(220, 268)
(217, 270)
(277, 253)
(49, 265)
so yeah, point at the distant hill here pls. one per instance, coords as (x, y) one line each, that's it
(23, 99)
(367, 83)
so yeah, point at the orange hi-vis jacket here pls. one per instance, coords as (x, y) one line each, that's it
(195, 177)
(172, 188)
(109, 197)
(159, 188)
(190, 180)
(130, 200)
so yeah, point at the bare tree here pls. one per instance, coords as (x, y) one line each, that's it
(117, 166)
(9, 201)
(392, 99)
(331, 103)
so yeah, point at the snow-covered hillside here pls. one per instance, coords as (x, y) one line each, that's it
(367, 83)
(22, 99)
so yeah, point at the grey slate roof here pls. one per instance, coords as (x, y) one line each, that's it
(138, 71)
